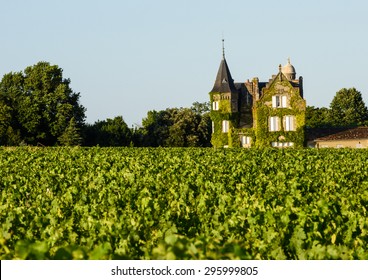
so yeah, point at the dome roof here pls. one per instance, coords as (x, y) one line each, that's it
(288, 68)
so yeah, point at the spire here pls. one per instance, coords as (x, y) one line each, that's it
(223, 48)
(224, 82)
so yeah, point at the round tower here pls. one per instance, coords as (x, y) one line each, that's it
(289, 71)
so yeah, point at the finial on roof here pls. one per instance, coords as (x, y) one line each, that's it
(289, 60)
(280, 67)
(223, 48)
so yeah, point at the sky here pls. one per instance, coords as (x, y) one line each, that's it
(129, 57)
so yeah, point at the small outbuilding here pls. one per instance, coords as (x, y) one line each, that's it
(349, 138)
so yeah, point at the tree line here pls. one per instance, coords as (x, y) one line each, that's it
(173, 127)
(38, 107)
(347, 109)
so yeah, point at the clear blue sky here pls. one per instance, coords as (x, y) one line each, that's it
(129, 57)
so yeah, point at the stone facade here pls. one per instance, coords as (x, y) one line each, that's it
(349, 138)
(258, 114)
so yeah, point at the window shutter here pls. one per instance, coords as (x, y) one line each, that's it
(274, 123)
(283, 101)
(292, 123)
(272, 128)
(225, 126)
(245, 140)
(287, 123)
(274, 101)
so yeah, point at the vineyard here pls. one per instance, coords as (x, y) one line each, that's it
(183, 203)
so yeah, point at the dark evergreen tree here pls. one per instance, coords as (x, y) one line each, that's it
(71, 135)
(110, 132)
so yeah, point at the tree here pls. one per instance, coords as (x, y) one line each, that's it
(37, 106)
(201, 108)
(71, 135)
(156, 128)
(178, 127)
(108, 133)
(182, 132)
(348, 109)
(317, 117)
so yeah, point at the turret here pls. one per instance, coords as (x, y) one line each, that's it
(224, 104)
(289, 71)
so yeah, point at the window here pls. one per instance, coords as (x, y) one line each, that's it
(279, 101)
(225, 126)
(282, 144)
(245, 141)
(289, 123)
(274, 124)
(213, 127)
(215, 105)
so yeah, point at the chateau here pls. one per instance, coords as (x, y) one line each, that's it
(258, 114)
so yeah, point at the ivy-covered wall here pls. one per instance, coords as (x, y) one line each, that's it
(263, 110)
(220, 139)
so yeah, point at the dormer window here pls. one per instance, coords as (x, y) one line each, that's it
(279, 101)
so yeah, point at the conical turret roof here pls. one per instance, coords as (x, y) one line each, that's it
(224, 82)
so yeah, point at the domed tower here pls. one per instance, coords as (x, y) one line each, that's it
(289, 71)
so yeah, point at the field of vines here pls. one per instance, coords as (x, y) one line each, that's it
(183, 203)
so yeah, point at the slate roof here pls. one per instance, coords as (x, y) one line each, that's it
(318, 132)
(224, 82)
(348, 134)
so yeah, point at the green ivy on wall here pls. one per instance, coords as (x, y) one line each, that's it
(264, 110)
(220, 139)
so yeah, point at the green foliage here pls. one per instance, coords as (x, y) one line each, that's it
(218, 138)
(317, 117)
(37, 105)
(71, 135)
(263, 110)
(177, 127)
(108, 133)
(183, 203)
(201, 108)
(156, 128)
(348, 109)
